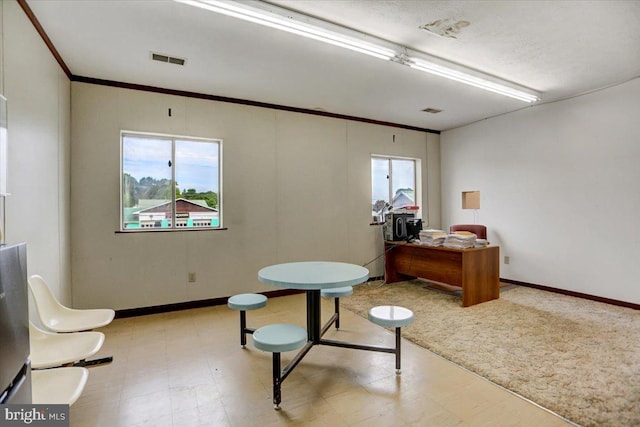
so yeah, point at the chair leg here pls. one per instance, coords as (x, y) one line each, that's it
(336, 302)
(94, 362)
(398, 336)
(277, 396)
(243, 327)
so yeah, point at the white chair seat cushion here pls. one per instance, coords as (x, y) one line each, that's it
(247, 301)
(81, 320)
(391, 316)
(50, 349)
(337, 292)
(58, 386)
(279, 337)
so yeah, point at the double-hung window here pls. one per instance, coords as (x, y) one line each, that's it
(393, 183)
(170, 182)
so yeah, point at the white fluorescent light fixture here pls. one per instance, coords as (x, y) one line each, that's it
(439, 70)
(302, 25)
(287, 23)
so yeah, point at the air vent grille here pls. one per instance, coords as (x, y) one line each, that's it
(168, 59)
(432, 110)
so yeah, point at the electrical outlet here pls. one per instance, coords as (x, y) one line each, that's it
(192, 277)
(507, 259)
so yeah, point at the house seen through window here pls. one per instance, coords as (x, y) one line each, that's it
(170, 183)
(393, 183)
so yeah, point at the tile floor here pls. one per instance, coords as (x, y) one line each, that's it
(187, 368)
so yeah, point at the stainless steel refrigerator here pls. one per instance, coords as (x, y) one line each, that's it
(15, 367)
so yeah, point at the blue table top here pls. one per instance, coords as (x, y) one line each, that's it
(313, 275)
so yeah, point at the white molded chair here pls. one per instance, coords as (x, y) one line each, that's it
(58, 318)
(58, 386)
(50, 349)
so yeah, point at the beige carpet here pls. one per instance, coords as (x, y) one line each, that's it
(578, 358)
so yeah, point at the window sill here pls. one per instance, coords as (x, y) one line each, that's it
(376, 223)
(167, 230)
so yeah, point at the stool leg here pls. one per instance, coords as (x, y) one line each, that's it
(336, 302)
(243, 327)
(277, 397)
(398, 334)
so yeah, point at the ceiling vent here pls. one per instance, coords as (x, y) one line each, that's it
(432, 110)
(168, 59)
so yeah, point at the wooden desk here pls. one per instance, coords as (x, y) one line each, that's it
(475, 270)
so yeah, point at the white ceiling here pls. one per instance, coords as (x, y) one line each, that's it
(559, 48)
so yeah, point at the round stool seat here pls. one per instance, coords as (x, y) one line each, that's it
(391, 316)
(247, 301)
(337, 292)
(279, 337)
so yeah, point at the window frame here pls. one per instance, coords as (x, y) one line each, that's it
(173, 138)
(417, 177)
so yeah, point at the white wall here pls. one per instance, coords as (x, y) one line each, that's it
(296, 187)
(560, 190)
(38, 99)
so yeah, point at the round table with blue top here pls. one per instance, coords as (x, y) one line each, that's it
(312, 277)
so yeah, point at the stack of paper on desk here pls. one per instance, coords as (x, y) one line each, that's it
(460, 241)
(481, 243)
(432, 237)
